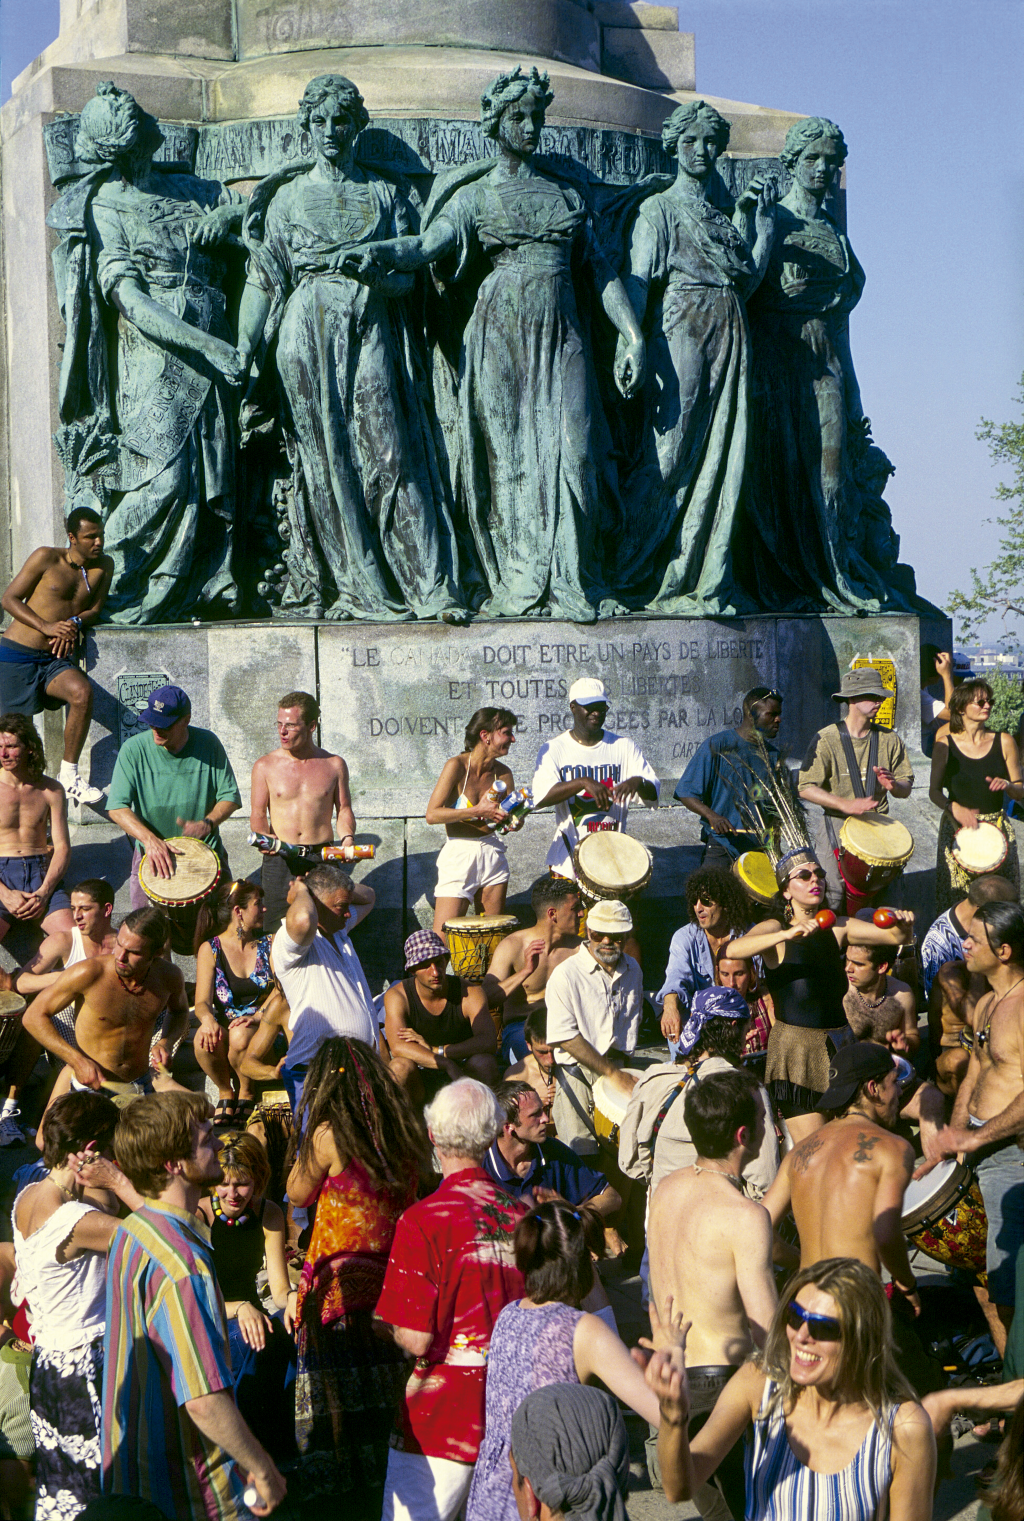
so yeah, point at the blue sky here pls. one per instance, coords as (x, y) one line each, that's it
(927, 93)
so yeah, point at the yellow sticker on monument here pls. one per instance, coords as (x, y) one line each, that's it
(885, 718)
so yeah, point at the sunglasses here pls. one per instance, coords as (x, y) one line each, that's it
(820, 1327)
(808, 876)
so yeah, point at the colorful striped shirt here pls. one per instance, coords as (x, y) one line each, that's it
(166, 1343)
(781, 1488)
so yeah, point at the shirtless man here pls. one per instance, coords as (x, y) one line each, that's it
(523, 962)
(437, 1030)
(296, 791)
(845, 1182)
(538, 1065)
(952, 1001)
(119, 998)
(711, 1250)
(878, 1007)
(92, 902)
(56, 595)
(988, 1116)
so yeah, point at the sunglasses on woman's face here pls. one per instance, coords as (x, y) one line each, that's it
(808, 876)
(820, 1327)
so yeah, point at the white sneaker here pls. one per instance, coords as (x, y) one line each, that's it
(11, 1133)
(80, 791)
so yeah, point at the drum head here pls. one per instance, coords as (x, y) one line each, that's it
(755, 872)
(980, 850)
(196, 870)
(12, 1003)
(610, 1101)
(481, 924)
(879, 842)
(921, 1191)
(612, 863)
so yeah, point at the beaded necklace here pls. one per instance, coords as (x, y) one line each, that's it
(221, 1213)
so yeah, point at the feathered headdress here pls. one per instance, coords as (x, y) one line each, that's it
(771, 809)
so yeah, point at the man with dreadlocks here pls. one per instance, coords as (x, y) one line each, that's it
(361, 1153)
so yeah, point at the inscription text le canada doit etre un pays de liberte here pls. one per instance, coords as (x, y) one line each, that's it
(533, 679)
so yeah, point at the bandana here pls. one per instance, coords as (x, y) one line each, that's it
(570, 1442)
(711, 1003)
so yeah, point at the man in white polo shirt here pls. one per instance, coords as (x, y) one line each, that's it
(590, 774)
(319, 971)
(594, 1000)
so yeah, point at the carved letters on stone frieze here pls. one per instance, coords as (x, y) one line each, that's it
(504, 437)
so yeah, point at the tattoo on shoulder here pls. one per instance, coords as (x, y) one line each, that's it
(804, 1153)
(865, 1144)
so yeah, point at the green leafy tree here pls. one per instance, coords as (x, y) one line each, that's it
(998, 589)
(1007, 703)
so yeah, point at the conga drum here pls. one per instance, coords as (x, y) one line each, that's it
(12, 1006)
(873, 851)
(944, 1216)
(757, 876)
(610, 1107)
(981, 850)
(197, 872)
(473, 940)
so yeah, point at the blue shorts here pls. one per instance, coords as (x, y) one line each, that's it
(24, 676)
(24, 874)
(513, 1042)
(1000, 1174)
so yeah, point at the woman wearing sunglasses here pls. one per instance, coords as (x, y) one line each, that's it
(836, 1429)
(806, 976)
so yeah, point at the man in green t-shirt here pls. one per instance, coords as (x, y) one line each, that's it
(175, 780)
(835, 790)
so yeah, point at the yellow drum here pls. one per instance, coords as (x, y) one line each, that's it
(979, 851)
(473, 940)
(12, 1006)
(872, 853)
(197, 872)
(755, 872)
(610, 1105)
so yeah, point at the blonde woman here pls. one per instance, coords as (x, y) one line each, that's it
(837, 1431)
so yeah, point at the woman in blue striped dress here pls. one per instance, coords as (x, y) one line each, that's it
(837, 1434)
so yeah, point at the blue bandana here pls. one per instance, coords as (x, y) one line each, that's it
(711, 1003)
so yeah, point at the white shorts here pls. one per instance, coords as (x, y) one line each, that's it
(418, 1488)
(464, 866)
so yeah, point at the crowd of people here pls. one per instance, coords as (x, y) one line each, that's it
(369, 1264)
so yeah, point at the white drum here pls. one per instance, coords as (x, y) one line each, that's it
(979, 851)
(610, 1105)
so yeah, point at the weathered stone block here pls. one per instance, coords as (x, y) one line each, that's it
(654, 18)
(655, 60)
(544, 28)
(250, 668)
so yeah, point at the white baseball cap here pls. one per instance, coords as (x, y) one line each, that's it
(588, 689)
(610, 917)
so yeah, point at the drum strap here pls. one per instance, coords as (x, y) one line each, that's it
(691, 1072)
(856, 780)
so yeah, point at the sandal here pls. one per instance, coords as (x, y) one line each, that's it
(243, 1111)
(226, 1114)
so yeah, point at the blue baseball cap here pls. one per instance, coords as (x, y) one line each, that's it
(164, 706)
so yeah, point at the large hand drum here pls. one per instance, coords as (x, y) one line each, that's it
(473, 940)
(197, 872)
(610, 1105)
(873, 851)
(944, 1216)
(611, 865)
(980, 851)
(12, 1006)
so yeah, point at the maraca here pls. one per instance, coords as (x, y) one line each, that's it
(884, 918)
(824, 918)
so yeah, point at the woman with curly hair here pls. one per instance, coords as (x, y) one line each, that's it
(718, 909)
(361, 1156)
(836, 1429)
(974, 771)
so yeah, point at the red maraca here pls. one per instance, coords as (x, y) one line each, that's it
(884, 918)
(824, 918)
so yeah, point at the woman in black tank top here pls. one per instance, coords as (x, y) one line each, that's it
(974, 773)
(804, 970)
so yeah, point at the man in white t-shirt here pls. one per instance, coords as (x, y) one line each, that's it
(319, 971)
(590, 774)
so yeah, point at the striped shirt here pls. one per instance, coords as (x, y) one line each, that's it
(166, 1343)
(942, 943)
(781, 1488)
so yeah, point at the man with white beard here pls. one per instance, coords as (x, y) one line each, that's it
(594, 1000)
